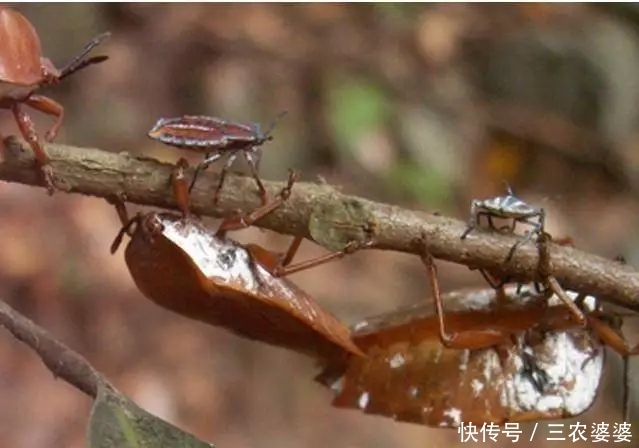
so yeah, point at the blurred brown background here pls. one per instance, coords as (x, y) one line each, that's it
(425, 106)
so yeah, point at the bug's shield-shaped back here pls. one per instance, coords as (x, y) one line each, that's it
(409, 376)
(187, 269)
(198, 131)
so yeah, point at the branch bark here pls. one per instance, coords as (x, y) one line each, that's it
(59, 359)
(146, 181)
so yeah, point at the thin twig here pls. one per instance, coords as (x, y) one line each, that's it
(147, 182)
(59, 359)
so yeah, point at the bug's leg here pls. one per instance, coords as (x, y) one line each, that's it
(28, 132)
(473, 221)
(471, 339)
(49, 107)
(555, 287)
(284, 268)
(253, 159)
(550, 283)
(242, 221)
(127, 223)
(489, 218)
(543, 269)
(610, 337)
(292, 251)
(626, 389)
(180, 189)
(118, 201)
(210, 158)
(538, 225)
(223, 171)
(494, 283)
(528, 236)
(542, 220)
(271, 260)
(514, 247)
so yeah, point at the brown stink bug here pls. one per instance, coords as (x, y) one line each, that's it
(549, 367)
(198, 272)
(23, 70)
(216, 137)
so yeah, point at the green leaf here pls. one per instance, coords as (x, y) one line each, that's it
(357, 108)
(117, 422)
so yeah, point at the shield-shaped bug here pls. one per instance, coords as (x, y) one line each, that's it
(506, 207)
(550, 368)
(23, 70)
(216, 137)
(184, 266)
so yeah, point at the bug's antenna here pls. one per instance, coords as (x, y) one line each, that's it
(508, 188)
(78, 62)
(267, 134)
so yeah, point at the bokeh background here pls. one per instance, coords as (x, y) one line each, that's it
(425, 106)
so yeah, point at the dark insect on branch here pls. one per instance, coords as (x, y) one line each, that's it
(216, 137)
(23, 70)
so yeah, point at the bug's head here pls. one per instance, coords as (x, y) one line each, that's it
(154, 132)
(149, 225)
(127, 229)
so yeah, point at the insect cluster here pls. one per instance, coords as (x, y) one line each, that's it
(484, 355)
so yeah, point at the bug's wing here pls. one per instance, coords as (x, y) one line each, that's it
(191, 131)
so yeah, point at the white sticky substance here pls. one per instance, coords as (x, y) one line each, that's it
(455, 415)
(363, 400)
(477, 386)
(397, 361)
(566, 369)
(205, 249)
(338, 386)
(463, 360)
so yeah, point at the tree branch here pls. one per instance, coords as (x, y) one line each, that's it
(59, 359)
(314, 208)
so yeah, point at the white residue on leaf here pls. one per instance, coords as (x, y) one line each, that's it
(397, 360)
(363, 400)
(477, 386)
(455, 415)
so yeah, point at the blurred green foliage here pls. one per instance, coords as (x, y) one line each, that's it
(357, 107)
(427, 186)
